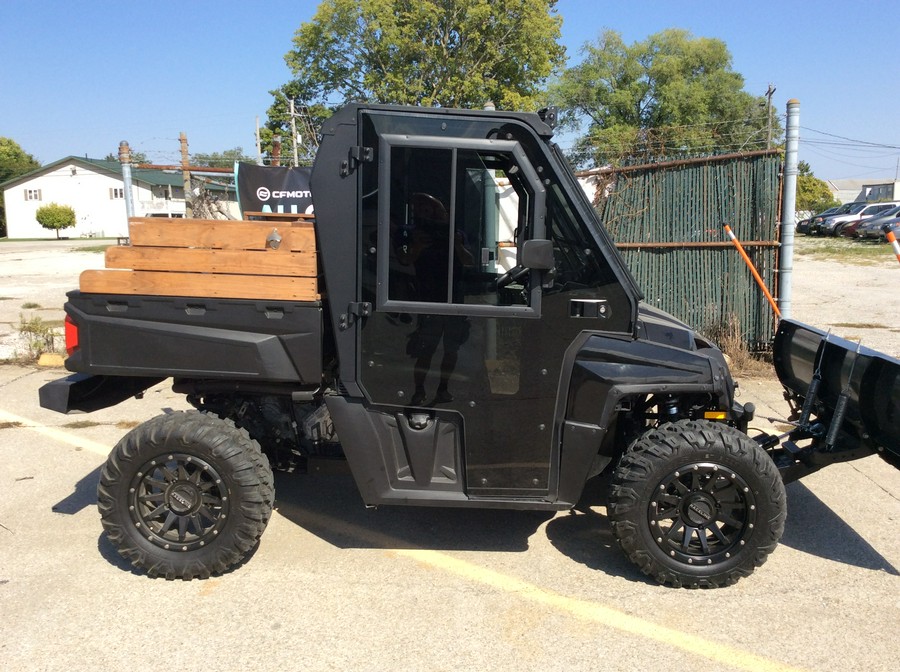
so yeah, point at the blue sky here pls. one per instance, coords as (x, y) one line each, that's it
(76, 77)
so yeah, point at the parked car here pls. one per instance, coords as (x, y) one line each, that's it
(816, 221)
(848, 230)
(804, 224)
(872, 227)
(832, 224)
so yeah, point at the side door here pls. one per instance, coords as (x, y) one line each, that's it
(453, 333)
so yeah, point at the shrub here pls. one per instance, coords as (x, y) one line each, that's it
(55, 217)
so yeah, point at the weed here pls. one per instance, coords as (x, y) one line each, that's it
(95, 248)
(30, 305)
(860, 325)
(728, 335)
(9, 425)
(39, 337)
(82, 424)
(858, 252)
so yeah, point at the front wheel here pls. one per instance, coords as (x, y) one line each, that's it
(185, 495)
(697, 504)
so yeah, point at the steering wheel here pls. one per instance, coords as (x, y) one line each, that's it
(511, 275)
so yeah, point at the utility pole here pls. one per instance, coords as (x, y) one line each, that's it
(276, 150)
(186, 176)
(789, 206)
(258, 145)
(294, 134)
(769, 93)
(125, 160)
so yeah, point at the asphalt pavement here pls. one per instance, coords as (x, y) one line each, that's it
(335, 586)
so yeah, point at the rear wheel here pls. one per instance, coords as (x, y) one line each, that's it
(697, 504)
(185, 495)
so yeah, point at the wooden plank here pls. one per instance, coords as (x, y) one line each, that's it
(219, 234)
(213, 285)
(279, 216)
(241, 262)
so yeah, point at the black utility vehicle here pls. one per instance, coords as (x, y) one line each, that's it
(472, 339)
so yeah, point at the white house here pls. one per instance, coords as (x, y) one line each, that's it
(96, 191)
(864, 190)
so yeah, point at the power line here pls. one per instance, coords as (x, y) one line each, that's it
(851, 140)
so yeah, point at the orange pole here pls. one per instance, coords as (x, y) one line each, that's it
(892, 239)
(759, 280)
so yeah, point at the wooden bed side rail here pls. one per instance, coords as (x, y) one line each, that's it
(217, 258)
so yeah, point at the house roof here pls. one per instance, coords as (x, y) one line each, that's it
(114, 169)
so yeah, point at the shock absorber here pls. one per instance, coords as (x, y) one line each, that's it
(669, 410)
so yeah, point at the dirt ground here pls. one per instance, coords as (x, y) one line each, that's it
(856, 301)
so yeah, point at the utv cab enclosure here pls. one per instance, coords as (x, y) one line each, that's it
(465, 334)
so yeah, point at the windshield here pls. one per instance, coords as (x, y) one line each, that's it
(855, 208)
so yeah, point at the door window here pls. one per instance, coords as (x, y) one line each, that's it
(451, 227)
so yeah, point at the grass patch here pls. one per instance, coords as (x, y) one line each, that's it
(742, 361)
(847, 250)
(38, 336)
(82, 424)
(127, 424)
(94, 248)
(860, 325)
(7, 298)
(9, 425)
(30, 305)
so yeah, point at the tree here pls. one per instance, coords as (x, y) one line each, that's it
(307, 120)
(136, 157)
(14, 161)
(448, 53)
(813, 195)
(224, 159)
(55, 217)
(669, 95)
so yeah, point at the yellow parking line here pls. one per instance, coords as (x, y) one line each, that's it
(599, 613)
(56, 434)
(583, 609)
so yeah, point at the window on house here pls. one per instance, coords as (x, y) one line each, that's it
(116, 192)
(32, 194)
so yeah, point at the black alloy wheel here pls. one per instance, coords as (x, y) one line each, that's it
(697, 504)
(185, 495)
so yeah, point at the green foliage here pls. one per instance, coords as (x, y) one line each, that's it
(14, 161)
(55, 217)
(671, 94)
(38, 337)
(136, 157)
(224, 159)
(307, 119)
(448, 53)
(813, 195)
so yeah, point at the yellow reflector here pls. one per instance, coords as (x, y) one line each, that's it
(715, 415)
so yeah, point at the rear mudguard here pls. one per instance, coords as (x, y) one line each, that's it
(82, 392)
(845, 397)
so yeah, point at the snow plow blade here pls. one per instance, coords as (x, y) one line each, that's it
(845, 399)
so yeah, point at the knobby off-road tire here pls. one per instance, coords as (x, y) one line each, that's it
(185, 495)
(697, 504)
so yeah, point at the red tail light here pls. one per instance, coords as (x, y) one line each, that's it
(71, 336)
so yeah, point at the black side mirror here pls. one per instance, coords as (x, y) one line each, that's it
(537, 255)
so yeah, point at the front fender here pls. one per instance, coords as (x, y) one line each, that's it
(603, 370)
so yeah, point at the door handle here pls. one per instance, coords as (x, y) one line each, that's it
(596, 308)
